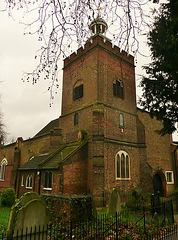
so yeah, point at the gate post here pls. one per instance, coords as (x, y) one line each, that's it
(116, 228)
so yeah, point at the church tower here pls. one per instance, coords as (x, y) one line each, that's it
(99, 97)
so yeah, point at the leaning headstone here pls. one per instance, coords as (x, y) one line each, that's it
(29, 218)
(114, 202)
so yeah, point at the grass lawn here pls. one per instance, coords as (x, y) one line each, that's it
(4, 219)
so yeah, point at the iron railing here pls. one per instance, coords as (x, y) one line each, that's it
(116, 226)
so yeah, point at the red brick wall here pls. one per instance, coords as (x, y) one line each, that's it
(8, 153)
(6, 183)
(113, 130)
(33, 147)
(97, 68)
(56, 187)
(28, 148)
(83, 69)
(22, 189)
(70, 132)
(124, 186)
(158, 147)
(111, 68)
(75, 178)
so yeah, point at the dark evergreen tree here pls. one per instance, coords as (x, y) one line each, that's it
(160, 95)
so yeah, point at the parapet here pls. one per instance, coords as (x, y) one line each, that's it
(102, 41)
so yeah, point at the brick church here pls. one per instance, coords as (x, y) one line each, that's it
(101, 140)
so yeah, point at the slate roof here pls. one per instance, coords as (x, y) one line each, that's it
(50, 126)
(32, 164)
(52, 161)
(61, 155)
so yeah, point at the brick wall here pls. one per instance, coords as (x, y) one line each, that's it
(113, 130)
(124, 186)
(83, 69)
(70, 132)
(8, 153)
(6, 182)
(22, 184)
(158, 147)
(27, 148)
(75, 178)
(75, 173)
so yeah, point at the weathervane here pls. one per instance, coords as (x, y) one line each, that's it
(98, 9)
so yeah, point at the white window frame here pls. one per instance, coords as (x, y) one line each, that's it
(166, 172)
(3, 169)
(120, 154)
(28, 181)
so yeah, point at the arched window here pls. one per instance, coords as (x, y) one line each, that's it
(76, 118)
(78, 90)
(122, 161)
(48, 180)
(3, 169)
(118, 89)
(121, 120)
(29, 182)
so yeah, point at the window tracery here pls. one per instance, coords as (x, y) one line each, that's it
(3, 169)
(122, 162)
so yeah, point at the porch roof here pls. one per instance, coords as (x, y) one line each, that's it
(52, 161)
(33, 162)
(61, 155)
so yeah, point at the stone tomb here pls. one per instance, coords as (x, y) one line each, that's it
(114, 202)
(29, 218)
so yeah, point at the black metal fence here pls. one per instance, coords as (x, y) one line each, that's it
(155, 222)
(117, 226)
(165, 208)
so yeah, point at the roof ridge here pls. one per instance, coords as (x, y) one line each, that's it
(75, 150)
(52, 154)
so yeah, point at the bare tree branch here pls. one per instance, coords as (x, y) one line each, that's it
(62, 26)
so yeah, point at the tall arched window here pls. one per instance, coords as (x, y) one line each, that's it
(29, 182)
(122, 165)
(3, 169)
(76, 119)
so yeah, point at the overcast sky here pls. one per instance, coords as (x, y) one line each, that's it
(25, 106)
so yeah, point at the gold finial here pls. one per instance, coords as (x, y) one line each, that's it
(99, 11)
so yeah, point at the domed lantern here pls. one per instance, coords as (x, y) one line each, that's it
(98, 26)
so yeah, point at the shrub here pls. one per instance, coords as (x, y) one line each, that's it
(8, 197)
(136, 201)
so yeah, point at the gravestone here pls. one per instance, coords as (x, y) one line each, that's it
(29, 218)
(168, 211)
(155, 204)
(114, 202)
